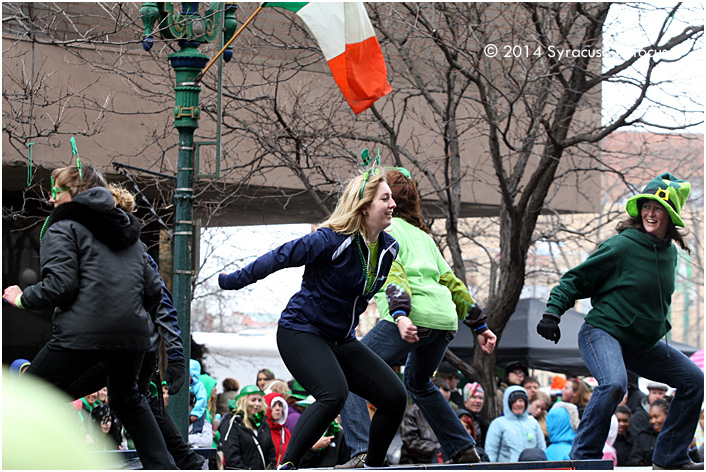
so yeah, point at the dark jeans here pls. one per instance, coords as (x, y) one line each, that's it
(608, 362)
(423, 358)
(62, 367)
(328, 370)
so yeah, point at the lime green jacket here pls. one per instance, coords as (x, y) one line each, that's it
(438, 298)
(630, 281)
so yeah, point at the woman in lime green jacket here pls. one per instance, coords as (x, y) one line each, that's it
(420, 306)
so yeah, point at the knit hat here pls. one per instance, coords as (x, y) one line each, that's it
(517, 394)
(666, 189)
(515, 366)
(270, 400)
(18, 367)
(471, 389)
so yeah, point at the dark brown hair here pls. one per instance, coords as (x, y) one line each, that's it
(635, 222)
(406, 197)
(230, 384)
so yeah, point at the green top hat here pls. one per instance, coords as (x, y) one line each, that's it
(666, 189)
(298, 391)
(247, 390)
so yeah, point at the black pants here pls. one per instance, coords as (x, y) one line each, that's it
(185, 458)
(94, 379)
(63, 367)
(328, 371)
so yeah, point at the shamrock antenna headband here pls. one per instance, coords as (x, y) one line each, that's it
(74, 151)
(365, 157)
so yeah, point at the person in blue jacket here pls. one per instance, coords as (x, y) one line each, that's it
(346, 262)
(198, 389)
(562, 422)
(515, 431)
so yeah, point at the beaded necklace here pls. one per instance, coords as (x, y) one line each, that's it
(369, 281)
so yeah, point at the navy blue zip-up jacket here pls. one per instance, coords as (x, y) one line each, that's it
(331, 298)
(166, 321)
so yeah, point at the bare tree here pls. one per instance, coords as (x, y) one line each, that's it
(531, 107)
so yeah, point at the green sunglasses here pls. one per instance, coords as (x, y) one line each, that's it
(57, 190)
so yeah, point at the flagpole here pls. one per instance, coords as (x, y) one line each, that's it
(215, 58)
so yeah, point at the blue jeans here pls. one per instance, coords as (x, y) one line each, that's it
(608, 360)
(423, 358)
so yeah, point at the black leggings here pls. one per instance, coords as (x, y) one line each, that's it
(64, 368)
(328, 370)
(94, 379)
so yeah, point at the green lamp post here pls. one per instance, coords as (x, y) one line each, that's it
(190, 29)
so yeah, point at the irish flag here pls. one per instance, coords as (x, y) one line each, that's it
(346, 37)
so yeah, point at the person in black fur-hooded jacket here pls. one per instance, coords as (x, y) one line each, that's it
(246, 440)
(96, 275)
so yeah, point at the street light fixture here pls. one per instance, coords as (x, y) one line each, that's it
(190, 29)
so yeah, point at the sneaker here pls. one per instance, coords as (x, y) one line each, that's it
(687, 466)
(286, 466)
(469, 456)
(355, 462)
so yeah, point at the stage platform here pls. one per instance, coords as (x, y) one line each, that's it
(128, 460)
(540, 465)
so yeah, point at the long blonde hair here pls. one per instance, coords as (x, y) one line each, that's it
(242, 406)
(347, 218)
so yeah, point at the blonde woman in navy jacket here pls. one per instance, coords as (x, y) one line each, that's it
(346, 261)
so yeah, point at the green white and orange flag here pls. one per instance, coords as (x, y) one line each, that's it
(347, 39)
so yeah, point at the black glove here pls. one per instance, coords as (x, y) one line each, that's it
(176, 373)
(548, 327)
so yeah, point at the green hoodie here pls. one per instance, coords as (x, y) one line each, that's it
(630, 280)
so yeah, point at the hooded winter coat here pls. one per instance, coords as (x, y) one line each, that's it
(244, 448)
(198, 389)
(280, 434)
(96, 274)
(643, 448)
(332, 296)
(561, 433)
(510, 434)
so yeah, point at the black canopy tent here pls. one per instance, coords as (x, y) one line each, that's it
(521, 343)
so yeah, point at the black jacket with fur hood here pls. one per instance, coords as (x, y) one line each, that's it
(96, 274)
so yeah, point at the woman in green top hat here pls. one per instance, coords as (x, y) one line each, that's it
(246, 440)
(630, 280)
